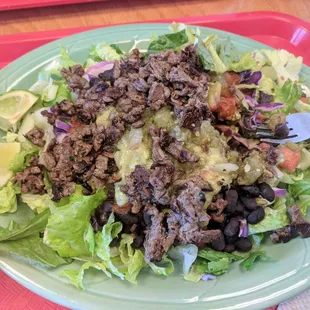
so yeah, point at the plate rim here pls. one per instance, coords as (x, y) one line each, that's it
(49, 294)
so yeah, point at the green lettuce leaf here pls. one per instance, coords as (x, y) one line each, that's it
(134, 268)
(191, 34)
(32, 226)
(302, 107)
(275, 218)
(46, 89)
(76, 276)
(21, 159)
(185, 254)
(117, 49)
(132, 260)
(248, 263)
(68, 230)
(102, 52)
(212, 255)
(32, 250)
(37, 203)
(257, 238)
(164, 268)
(102, 243)
(168, 41)
(286, 65)
(8, 201)
(246, 62)
(209, 57)
(62, 94)
(288, 94)
(53, 69)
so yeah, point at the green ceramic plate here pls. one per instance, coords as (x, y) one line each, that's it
(268, 284)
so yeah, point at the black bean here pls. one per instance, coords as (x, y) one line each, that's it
(231, 240)
(251, 190)
(147, 219)
(256, 216)
(246, 213)
(266, 191)
(240, 207)
(232, 228)
(231, 197)
(249, 202)
(218, 244)
(202, 197)
(138, 242)
(229, 248)
(244, 245)
(281, 131)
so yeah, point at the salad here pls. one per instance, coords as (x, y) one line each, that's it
(151, 159)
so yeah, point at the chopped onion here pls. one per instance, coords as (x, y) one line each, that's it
(208, 277)
(277, 172)
(135, 138)
(243, 229)
(225, 167)
(279, 191)
(267, 107)
(98, 68)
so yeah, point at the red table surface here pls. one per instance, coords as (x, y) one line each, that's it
(275, 29)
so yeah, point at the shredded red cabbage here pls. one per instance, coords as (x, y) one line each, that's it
(267, 107)
(249, 77)
(243, 229)
(279, 192)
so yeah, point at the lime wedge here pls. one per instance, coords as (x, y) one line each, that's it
(13, 106)
(7, 151)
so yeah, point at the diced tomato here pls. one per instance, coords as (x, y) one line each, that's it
(303, 99)
(232, 78)
(264, 147)
(291, 159)
(227, 108)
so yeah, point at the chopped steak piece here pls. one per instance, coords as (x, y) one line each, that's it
(140, 85)
(216, 210)
(158, 239)
(49, 160)
(158, 96)
(299, 226)
(31, 180)
(36, 135)
(160, 178)
(162, 141)
(74, 78)
(138, 188)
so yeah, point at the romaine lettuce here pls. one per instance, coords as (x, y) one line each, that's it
(76, 276)
(185, 254)
(68, 229)
(168, 41)
(8, 201)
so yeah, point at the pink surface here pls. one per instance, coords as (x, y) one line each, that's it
(24, 4)
(16, 297)
(275, 29)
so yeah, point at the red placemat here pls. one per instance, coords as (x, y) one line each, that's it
(275, 29)
(25, 4)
